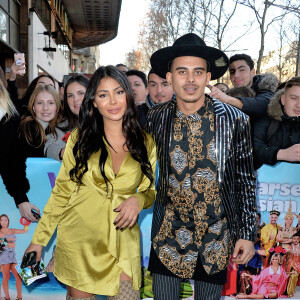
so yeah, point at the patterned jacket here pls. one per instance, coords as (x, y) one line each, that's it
(234, 165)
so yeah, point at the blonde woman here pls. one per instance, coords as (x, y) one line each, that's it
(270, 283)
(12, 163)
(42, 117)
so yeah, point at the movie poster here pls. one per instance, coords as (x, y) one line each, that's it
(278, 188)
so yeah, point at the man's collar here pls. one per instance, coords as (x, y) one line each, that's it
(207, 105)
(149, 102)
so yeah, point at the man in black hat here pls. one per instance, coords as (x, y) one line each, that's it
(205, 204)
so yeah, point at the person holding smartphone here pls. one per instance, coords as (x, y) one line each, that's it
(106, 179)
(22, 104)
(12, 163)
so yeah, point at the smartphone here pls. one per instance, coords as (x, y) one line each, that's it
(29, 259)
(19, 60)
(35, 214)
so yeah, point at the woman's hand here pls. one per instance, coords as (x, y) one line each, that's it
(25, 211)
(128, 213)
(14, 70)
(37, 248)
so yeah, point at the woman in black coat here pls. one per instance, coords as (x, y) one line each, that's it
(12, 162)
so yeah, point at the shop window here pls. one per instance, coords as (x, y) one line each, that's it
(3, 25)
(9, 22)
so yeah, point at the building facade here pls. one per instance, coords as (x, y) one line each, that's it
(58, 37)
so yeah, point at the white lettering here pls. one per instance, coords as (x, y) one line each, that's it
(295, 190)
(261, 205)
(285, 189)
(273, 187)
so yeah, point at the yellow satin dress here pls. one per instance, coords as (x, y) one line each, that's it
(90, 253)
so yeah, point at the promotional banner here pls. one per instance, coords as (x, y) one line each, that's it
(277, 187)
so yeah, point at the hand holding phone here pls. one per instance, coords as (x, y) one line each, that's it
(35, 214)
(29, 259)
(20, 63)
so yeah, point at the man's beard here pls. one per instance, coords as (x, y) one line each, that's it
(190, 100)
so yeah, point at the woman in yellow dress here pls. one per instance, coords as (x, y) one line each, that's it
(105, 180)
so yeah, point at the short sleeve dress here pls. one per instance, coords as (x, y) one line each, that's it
(90, 253)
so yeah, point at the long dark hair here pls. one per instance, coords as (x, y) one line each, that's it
(69, 117)
(91, 135)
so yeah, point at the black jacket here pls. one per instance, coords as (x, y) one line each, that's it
(264, 87)
(142, 111)
(32, 150)
(12, 162)
(274, 132)
(13, 94)
(234, 165)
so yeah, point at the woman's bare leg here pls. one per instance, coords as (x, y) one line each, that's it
(18, 280)
(124, 277)
(79, 294)
(6, 275)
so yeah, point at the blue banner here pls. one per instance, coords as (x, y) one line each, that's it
(276, 186)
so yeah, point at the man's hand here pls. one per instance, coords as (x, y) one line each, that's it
(243, 252)
(25, 211)
(291, 154)
(219, 95)
(128, 213)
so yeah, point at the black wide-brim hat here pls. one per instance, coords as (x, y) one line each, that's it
(190, 45)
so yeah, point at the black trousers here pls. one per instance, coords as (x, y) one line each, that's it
(168, 288)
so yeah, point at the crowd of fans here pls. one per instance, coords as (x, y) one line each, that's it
(41, 120)
(39, 124)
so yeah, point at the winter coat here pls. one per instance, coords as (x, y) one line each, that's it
(264, 87)
(12, 162)
(274, 132)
